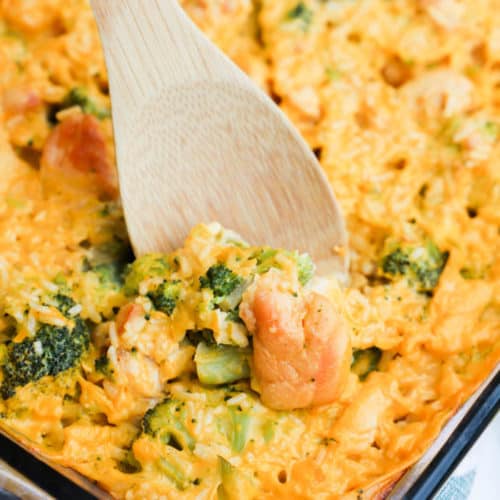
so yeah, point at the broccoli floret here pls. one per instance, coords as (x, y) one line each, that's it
(365, 361)
(397, 262)
(221, 280)
(166, 422)
(221, 364)
(166, 296)
(227, 288)
(109, 274)
(104, 284)
(421, 265)
(145, 267)
(51, 351)
(429, 266)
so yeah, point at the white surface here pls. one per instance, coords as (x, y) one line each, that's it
(478, 475)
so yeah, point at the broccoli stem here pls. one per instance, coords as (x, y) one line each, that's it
(166, 421)
(235, 484)
(221, 364)
(174, 473)
(240, 429)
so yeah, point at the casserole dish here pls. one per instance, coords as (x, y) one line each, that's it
(422, 480)
(399, 102)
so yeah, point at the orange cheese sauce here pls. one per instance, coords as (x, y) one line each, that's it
(401, 103)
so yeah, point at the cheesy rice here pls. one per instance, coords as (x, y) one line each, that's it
(139, 374)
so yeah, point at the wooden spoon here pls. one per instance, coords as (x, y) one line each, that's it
(197, 141)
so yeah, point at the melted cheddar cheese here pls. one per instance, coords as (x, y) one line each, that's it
(400, 101)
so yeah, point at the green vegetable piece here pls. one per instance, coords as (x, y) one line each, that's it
(103, 365)
(492, 129)
(78, 96)
(234, 316)
(166, 296)
(4, 354)
(268, 430)
(129, 464)
(365, 361)
(397, 262)
(145, 267)
(166, 422)
(221, 280)
(301, 13)
(109, 274)
(267, 258)
(240, 430)
(235, 485)
(230, 303)
(306, 268)
(221, 364)
(421, 265)
(51, 351)
(64, 303)
(60, 280)
(174, 473)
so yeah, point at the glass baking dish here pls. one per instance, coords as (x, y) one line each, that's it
(37, 478)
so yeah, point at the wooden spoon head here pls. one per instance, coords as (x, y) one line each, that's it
(219, 151)
(197, 141)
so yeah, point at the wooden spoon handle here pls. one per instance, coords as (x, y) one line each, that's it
(172, 52)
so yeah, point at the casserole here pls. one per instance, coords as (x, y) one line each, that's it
(404, 117)
(420, 481)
